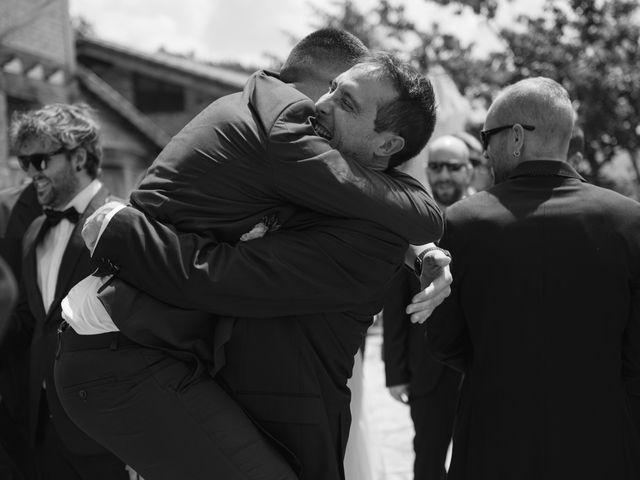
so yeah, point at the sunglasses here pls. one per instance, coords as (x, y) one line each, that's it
(485, 135)
(38, 160)
(451, 167)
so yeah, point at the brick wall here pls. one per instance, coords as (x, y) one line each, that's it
(41, 27)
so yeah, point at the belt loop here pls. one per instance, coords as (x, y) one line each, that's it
(114, 343)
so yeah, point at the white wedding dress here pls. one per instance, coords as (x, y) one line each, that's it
(360, 460)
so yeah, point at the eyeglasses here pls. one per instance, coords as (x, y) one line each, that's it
(38, 160)
(451, 167)
(485, 135)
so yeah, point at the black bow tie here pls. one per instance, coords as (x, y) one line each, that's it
(54, 216)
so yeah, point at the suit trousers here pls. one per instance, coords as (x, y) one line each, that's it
(165, 417)
(433, 416)
(54, 461)
(14, 447)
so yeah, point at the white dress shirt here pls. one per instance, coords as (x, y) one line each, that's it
(51, 248)
(81, 308)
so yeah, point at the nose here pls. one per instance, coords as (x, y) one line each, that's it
(324, 104)
(444, 172)
(32, 172)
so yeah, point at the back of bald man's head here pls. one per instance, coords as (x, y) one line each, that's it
(451, 145)
(325, 48)
(544, 104)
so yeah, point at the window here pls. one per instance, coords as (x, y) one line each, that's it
(155, 96)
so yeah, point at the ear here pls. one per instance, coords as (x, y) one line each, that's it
(391, 144)
(518, 137)
(79, 159)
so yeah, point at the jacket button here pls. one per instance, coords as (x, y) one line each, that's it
(82, 394)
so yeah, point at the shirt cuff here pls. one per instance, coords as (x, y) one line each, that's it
(106, 221)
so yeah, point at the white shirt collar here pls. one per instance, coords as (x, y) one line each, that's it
(81, 201)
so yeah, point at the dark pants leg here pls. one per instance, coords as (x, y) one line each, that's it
(53, 461)
(13, 413)
(8, 468)
(15, 456)
(153, 412)
(433, 416)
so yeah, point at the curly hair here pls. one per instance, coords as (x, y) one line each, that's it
(70, 126)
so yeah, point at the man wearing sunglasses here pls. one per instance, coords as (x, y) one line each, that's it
(448, 170)
(58, 147)
(544, 315)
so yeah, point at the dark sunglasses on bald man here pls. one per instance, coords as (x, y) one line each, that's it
(485, 135)
(38, 160)
(451, 167)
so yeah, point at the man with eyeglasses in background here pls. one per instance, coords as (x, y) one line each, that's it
(449, 170)
(58, 147)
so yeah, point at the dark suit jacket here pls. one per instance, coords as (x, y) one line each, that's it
(38, 329)
(246, 159)
(544, 318)
(288, 370)
(406, 358)
(8, 291)
(250, 158)
(18, 208)
(251, 155)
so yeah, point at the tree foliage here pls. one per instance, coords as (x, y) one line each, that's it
(593, 49)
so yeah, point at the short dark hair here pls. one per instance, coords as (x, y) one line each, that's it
(326, 46)
(70, 126)
(412, 114)
(576, 144)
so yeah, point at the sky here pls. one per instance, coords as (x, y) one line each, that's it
(246, 31)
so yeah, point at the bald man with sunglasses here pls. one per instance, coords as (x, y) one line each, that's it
(544, 312)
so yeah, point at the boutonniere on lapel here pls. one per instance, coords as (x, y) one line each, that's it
(269, 223)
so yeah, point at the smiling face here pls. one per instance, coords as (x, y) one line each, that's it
(57, 183)
(346, 115)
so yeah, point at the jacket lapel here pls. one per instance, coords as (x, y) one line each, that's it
(30, 265)
(75, 249)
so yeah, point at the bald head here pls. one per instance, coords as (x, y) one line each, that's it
(540, 103)
(449, 146)
(544, 104)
